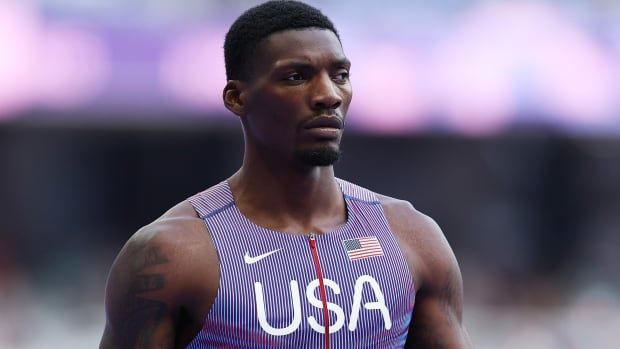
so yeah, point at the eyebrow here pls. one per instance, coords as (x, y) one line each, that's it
(302, 63)
(343, 62)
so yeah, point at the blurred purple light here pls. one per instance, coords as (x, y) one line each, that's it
(478, 71)
(192, 69)
(54, 65)
(504, 58)
(75, 67)
(388, 88)
(19, 31)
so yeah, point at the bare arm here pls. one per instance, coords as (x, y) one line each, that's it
(438, 314)
(140, 309)
(437, 321)
(162, 284)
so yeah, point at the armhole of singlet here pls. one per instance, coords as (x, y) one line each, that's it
(400, 248)
(369, 197)
(207, 204)
(212, 200)
(357, 193)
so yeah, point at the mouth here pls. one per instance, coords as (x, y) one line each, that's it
(325, 122)
(324, 128)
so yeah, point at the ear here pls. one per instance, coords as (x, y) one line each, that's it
(234, 97)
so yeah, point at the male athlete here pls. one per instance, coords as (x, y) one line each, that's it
(282, 253)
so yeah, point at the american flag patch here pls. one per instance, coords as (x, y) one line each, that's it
(362, 248)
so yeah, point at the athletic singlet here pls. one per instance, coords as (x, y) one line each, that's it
(278, 289)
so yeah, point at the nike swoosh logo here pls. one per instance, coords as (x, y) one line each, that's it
(251, 260)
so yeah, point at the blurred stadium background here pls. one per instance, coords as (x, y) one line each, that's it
(501, 119)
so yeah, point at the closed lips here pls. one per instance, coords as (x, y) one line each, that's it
(324, 122)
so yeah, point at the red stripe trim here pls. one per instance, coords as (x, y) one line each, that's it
(317, 266)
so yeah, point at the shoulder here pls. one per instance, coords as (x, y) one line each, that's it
(179, 233)
(176, 247)
(408, 222)
(402, 214)
(424, 244)
(178, 228)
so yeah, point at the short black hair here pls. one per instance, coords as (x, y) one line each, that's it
(261, 21)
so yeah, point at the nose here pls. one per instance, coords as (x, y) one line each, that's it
(325, 94)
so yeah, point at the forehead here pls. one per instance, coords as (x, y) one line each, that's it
(311, 44)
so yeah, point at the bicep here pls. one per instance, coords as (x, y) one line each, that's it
(437, 319)
(139, 310)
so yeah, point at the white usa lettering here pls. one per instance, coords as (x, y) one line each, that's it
(262, 316)
(379, 305)
(316, 302)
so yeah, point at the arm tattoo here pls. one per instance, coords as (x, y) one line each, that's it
(140, 316)
(152, 256)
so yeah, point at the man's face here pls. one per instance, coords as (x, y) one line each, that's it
(299, 95)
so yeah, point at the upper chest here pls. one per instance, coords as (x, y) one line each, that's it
(362, 253)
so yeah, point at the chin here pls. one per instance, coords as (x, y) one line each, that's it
(326, 156)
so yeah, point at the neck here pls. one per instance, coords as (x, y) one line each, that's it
(286, 196)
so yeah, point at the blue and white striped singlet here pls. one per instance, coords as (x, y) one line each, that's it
(350, 288)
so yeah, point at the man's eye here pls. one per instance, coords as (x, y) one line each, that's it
(294, 77)
(342, 76)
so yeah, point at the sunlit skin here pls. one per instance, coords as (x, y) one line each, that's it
(165, 279)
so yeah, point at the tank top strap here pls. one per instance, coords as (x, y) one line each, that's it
(355, 192)
(212, 200)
